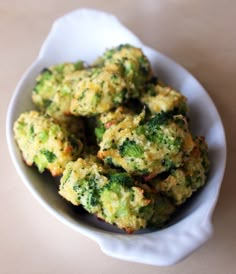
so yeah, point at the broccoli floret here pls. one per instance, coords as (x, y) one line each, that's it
(122, 178)
(152, 125)
(154, 130)
(51, 157)
(44, 158)
(130, 148)
(99, 131)
(45, 75)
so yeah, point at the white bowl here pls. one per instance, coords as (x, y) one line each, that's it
(85, 34)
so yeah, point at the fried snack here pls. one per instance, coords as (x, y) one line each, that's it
(182, 182)
(53, 92)
(149, 147)
(112, 196)
(164, 98)
(98, 91)
(132, 65)
(45, 143)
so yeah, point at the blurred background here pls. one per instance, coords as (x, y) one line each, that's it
(200, 35)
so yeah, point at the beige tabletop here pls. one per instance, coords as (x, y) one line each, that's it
(201, 36)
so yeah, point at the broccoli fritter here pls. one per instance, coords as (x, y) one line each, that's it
(99, 91)
(164, 98)
(53, 92)
(112, 195)
(81, 182)
(182, 182)
(45, 143)
(132, 65)
(146, 147)
(49, 82)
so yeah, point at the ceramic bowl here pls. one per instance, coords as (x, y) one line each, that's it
(84, 35)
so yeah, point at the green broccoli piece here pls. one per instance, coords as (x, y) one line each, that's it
(99, 130)
(130, 148)
(51, 157)
(121, 178)
(43, 158)
(151, 127)
(45, 76)
(154, 130)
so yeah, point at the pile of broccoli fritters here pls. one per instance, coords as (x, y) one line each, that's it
(118, 137)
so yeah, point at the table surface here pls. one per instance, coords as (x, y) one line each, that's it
(200, 35)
